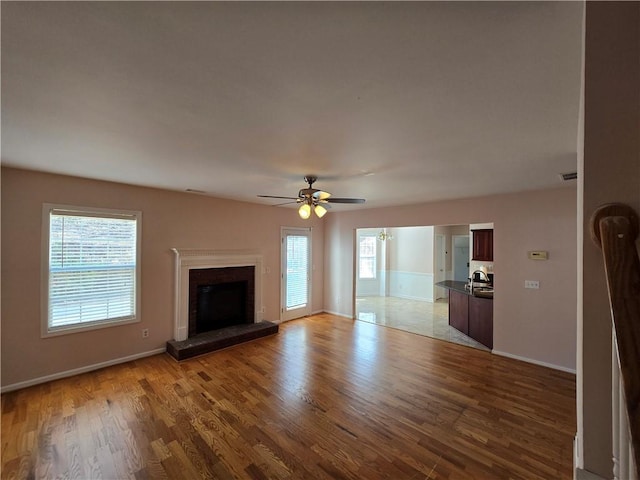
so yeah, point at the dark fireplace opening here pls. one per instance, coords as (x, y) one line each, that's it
(220, 298)
(221, 305)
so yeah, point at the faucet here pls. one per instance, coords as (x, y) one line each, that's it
(486, 279)
(473, 275)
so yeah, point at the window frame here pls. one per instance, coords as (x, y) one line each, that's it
(374, 256)
(47, 210)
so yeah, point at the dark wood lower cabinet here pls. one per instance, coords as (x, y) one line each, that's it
(471, 315)
(481, 320)
(459, 311)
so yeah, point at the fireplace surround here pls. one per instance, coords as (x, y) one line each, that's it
(200, 260)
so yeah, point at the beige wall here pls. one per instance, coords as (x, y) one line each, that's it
(411, 249)
(539, 324)
(170, 219)
(609, 172)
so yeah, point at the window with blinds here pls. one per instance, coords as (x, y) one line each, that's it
(297, 271)
(367, 256)
(93, 262)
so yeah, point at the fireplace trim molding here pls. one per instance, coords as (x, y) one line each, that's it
(191, 258)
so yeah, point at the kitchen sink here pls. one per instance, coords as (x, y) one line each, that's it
(483, 292)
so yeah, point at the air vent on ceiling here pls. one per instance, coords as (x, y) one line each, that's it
(569, 176)
(191, 190)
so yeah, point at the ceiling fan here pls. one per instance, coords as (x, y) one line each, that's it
(313, 198)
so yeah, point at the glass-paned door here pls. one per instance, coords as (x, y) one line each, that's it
(296, 273)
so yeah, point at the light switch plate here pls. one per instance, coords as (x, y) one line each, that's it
(531, 284)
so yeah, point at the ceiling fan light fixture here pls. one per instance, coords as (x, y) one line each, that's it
(320, 195)
(320, 210)
(304, 211)
(313, 199)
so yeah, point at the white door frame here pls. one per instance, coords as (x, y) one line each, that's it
(439, 264)
(369, 286)
(300, 311)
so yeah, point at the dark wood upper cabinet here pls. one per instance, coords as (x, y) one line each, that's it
(482, 245)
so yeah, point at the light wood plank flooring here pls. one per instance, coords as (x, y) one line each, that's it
(326, 398)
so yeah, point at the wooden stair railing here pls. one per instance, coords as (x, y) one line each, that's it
(614, 228)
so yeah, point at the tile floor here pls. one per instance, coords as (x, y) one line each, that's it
(423, 318)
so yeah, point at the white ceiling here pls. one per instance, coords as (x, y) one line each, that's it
(394, 102)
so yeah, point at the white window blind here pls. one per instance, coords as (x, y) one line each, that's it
(92, 271)
(297, 271)
(367, 256)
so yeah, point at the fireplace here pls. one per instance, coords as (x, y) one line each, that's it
(220, 298)
(205, 265)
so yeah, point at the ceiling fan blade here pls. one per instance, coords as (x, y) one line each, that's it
(320, 195)
(313, 197)
(273, 196)
(345, 200)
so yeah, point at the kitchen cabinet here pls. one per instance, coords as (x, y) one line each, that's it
(459, 311)
(482, 245)
(469, 314)
(480, 318)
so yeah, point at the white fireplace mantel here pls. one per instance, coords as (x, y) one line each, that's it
(190, 258)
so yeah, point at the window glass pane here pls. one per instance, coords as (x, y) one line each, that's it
(367, 257)
(92, 269)
(297, 271)
(367, 268)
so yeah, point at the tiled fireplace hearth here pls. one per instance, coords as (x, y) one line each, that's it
(218, 301)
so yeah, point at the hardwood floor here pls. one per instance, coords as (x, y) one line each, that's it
(325, 398)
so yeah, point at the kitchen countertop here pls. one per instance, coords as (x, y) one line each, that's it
(454, 285)
(460, 287)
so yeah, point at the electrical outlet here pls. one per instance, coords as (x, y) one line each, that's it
(531, 284)
(145, 333)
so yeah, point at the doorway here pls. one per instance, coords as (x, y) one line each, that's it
(396, 270)
(460, 257)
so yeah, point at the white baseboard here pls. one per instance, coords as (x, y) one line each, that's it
(338, 314)
(535, 362)
(78, 371)
(281, 321)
